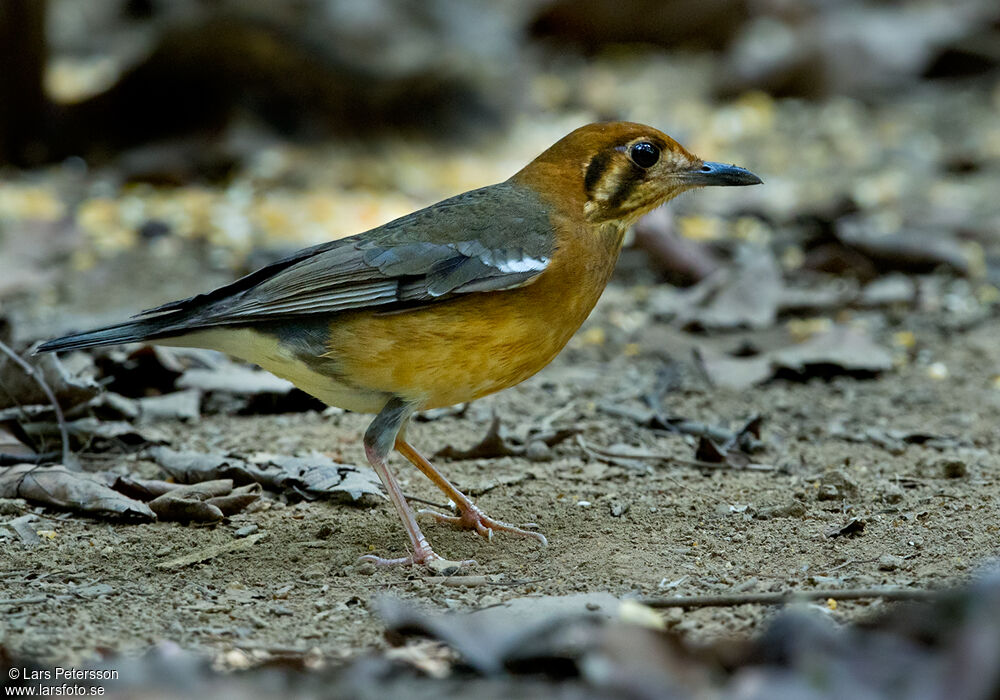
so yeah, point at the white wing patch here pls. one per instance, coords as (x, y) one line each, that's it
(525, 264)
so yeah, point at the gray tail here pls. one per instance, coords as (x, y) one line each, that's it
(128, 332)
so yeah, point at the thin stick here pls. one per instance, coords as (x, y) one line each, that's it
(852, 561)
(417, 499)
(471, 581)
(603, 453)
(9, 460)
(60, 418)
(710, 601)
(27, 601)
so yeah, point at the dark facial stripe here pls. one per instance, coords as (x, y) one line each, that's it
(595, 171)
(626, 185)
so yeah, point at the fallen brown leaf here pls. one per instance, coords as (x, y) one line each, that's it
(58, 486)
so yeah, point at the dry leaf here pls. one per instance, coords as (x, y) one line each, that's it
(57, 486)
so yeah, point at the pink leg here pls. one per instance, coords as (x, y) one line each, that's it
(469, 517)
(422, 553)
(379, 439)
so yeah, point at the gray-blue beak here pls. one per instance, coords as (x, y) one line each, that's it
(709, 173)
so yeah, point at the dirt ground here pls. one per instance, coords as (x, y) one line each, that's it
(930, 510)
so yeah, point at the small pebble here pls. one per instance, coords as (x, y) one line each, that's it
(246, 530)
(538, 451)
(835, 485)
(952, 468)
(365, 568)
(892, 493)
(635, 613)
(889, 562)
(827, 492)
(236, 660)
(937, 370)
(619, 509)
(748, 585)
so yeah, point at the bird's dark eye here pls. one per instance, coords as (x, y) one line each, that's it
(644, 154)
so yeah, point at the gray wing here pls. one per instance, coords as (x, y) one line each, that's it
(490, 239)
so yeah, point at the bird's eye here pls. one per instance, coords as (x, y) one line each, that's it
(644, 154)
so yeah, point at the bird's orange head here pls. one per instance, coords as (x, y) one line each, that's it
(617, 171)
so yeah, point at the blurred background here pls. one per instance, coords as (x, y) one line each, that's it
(151, 148)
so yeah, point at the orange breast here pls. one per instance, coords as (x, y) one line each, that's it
(459, 350)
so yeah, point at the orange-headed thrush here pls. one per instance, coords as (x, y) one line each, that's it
(469, 296)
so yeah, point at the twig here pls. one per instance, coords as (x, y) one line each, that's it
(60, 418)
(509, 480)
(852, 561)
(611, 457)
(781, 598)
(9, 460)
(29, 600)
(483, 580)
(211, 552)
(747, 439)
(417, 499)
(650, 419)
(620, 458)
(545, 424)
(749, 467)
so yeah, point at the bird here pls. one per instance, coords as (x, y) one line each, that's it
(461, 299)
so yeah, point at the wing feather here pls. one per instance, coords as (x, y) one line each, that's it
(489, 239)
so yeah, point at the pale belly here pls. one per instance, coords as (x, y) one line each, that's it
(264, 350)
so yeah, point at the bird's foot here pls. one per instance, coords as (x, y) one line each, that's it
(426, 558)
(472, 518)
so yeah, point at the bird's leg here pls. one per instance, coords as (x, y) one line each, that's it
(379, 438)
(469, 517)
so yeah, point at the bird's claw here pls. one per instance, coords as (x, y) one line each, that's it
(428, 559)
(474, 519)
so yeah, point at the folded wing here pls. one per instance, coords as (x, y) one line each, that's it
(490, 239)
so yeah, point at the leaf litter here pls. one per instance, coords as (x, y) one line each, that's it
(311, 477)
(598, 646)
